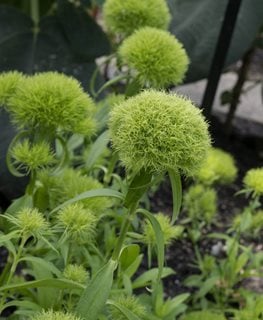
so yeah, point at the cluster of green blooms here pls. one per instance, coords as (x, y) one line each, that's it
(69, 184)
(157, 131)
(253, 181)
(30, 157)
(201, 202)
(77, 223)
(170, 232)
(54, 315)
(219, 167)
(203, 315)
(157, 57)
(131, 303)
(48, 101)
(76, 273)
(8, 84)
(124, 17)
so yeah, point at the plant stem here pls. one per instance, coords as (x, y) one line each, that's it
(34, 8)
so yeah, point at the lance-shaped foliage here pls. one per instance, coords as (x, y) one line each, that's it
(123, 17)
(157, 57)
(204, 315)
(8, 85)
(253, 181)
(219, 167)
(157, 131)
(52, 101)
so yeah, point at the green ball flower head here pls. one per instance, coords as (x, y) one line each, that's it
(30, 157)
(157, 131)
(123, 17)
(132, 304)
(200, 202)
(219, 167)
(157, 57)
(54, 315)
(170, 232)
(76, 273)
(203, 315)
(52, 101)
(8, 85)
(253, 181)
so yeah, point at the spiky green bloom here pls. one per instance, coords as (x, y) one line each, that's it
(54, 315)
(201, 202)
(69, 184)
(170, 232)
(30, 222)
(30, 157)
(8, 85)
(157, 131)
(52, 101)
(158, 58)
(219, 167)
(203, 315)
(123, 17)
(253, 181)
(131, 303)
(77, 222)
(76, 273)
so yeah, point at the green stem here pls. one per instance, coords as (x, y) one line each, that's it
(34, 8)
(110, 83)
(124, 228)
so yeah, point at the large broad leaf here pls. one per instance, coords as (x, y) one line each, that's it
(197, 25)
(68, 41)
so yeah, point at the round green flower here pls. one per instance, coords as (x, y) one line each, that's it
(131, 303)
(253, 181)
(76, 273)
(219, 167)
(54, 315)
(8, 85)
(170, 232)
(123, 17)
(30, 157)
(158, 58)
(157, 131)
(77, 222)
(200, 202)
(52, 101)
(203, 315)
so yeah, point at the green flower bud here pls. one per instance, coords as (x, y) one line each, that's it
(123, 17)
(201, 203)
(170, 232)
(203, 315)
(131, 303)
(219, 167)
(54, 315)
(157, 57)
(69, 184)
(77, 222)
(159, 131)
(52, 101)
(30, 157)
(8, 85)
(253, 181)
(76, 273)
(30, 222)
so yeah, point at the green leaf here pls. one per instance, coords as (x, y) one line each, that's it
(207, 286)
(171, 305)
(148, 276)
(133, 267)
(50, 283)
(133, 88)
(90, 194)
(97, 149)
(97, 292)
(137, 188)
(197, 25)
(241, 262)
(159, 239)
(125, 311)
(128, 255)
(177, 193)
(25, 201)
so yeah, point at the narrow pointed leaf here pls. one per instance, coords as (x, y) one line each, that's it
(177, 192)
